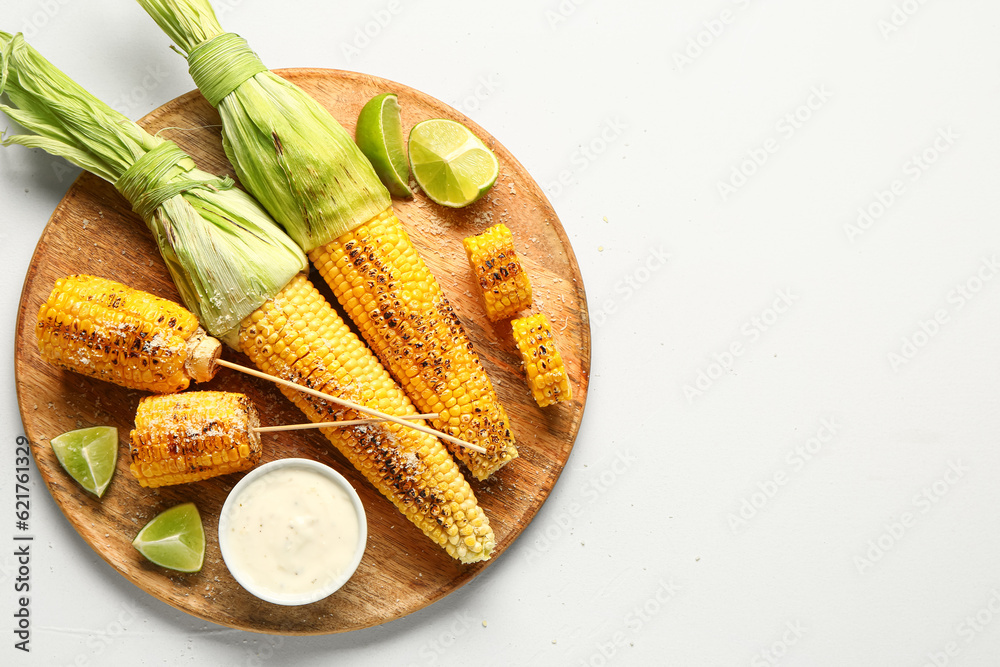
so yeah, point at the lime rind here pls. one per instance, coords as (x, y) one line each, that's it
(392, 130)
(174, 539)
(379, 135)
(89, 456)
(450, 164)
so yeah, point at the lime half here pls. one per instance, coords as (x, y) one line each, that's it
(451, 164)
(379, 135)
(89, 455)
(174, 539)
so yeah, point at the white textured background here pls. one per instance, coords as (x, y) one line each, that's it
(688, 527)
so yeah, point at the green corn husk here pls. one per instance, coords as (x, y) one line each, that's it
(295, 158)
(225, 254)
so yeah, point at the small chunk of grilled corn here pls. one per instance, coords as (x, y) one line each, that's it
(195, 435)
(543, 365)
(498, 270)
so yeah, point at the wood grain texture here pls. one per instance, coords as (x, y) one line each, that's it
(94, 231)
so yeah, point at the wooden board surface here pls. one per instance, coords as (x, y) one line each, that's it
(94, 231)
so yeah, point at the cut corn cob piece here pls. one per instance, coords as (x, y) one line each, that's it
(107, 330)
(188, 437)
(299, 337)
(385, 287)
(543, 365)
(498, 270)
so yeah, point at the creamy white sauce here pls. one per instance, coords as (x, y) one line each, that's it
(292, 531)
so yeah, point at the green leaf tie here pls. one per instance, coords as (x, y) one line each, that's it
(154, 178)
(221, 64)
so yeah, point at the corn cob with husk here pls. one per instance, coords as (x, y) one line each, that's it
(195, 435)
(236, 269)
(304, 168)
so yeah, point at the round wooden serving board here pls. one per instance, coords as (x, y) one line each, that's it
(94, 231)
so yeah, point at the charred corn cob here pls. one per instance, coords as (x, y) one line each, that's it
(231, 262)
(299, 337)
(292, 155)
(543, 364)
(498, 270)
(188, 437)
(386, 288)
(109, 331)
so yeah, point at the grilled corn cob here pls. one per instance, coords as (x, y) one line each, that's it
(498, 270)
(299, 337)
(286, 327)
(292, 155)
(188, 437)
(112, 332)
(542, 362)
(385, 287)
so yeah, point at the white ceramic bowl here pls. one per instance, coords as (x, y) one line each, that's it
(313, 595)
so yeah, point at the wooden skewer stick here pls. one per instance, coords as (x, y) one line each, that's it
(350, 404)
(348, 422)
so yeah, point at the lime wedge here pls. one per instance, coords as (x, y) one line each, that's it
(89, 456)
(452, 166)
(174, 539)
(379, 135)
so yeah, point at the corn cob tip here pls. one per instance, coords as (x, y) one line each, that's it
(485, 553)
(203, 351)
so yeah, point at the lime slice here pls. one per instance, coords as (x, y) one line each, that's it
(89, 455)
(379, 135)
(450, 163)
(174, 539)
